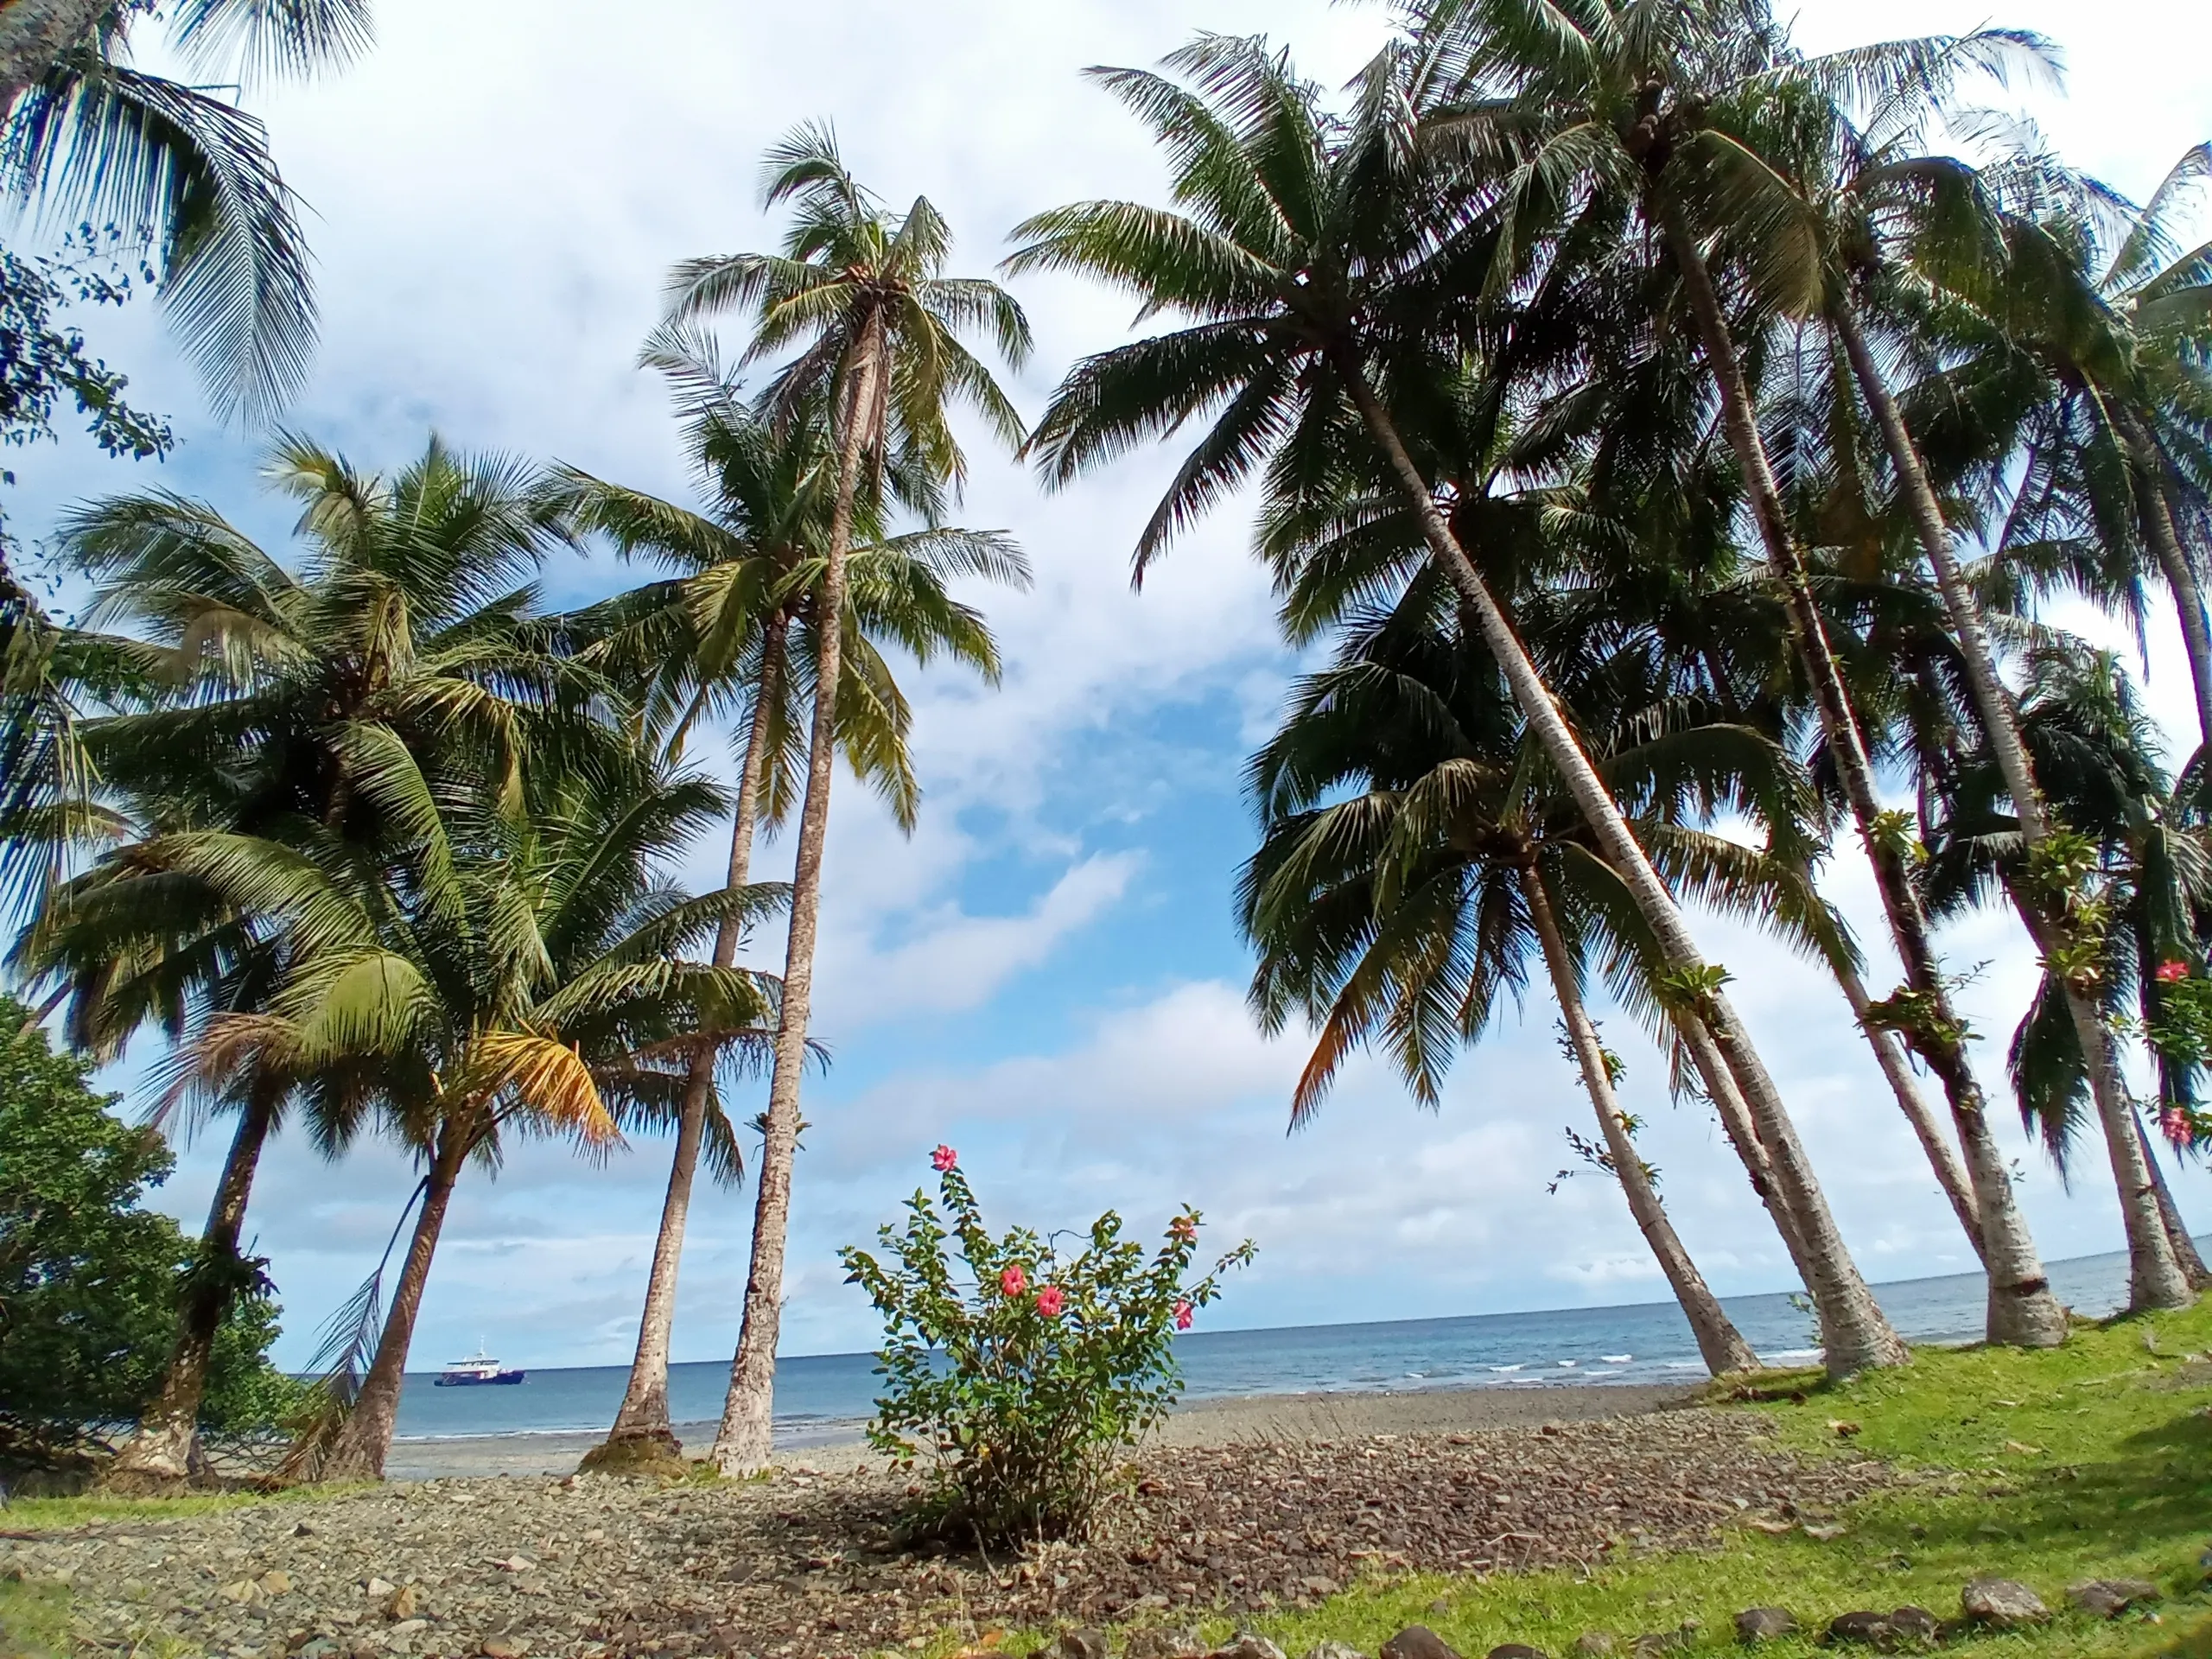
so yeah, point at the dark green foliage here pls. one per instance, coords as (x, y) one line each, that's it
(89, 1278)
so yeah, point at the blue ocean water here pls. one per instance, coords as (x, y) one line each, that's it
(1647, 1342)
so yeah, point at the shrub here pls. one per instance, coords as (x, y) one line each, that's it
(90, 1277)
(1015, 1375)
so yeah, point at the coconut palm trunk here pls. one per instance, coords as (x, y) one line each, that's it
(1859, 1337)
(164, 1450)
(2185, 1251)
(642, 1428)
(1736, 1122)
(2022, 1308)
(746, 1439)
(1718, 1342)
(361, 1445)
(1942, 1156)
(34, 33)
(2155, 1277)
(2157, 514)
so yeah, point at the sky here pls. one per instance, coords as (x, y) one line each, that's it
(1045, 974)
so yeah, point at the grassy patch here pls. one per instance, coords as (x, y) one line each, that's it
(34, 1621)
(2092, 1462)
(53, 1514)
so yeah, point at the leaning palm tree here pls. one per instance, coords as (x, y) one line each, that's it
(1646, 99)
(1418, 852)
(732, 632)
(2140, 835)
(864, 324)
(242, 695)
(1309, 254)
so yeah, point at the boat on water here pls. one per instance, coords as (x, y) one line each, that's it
(479, 1369)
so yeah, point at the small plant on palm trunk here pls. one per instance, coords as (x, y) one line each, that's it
(1014, 1374)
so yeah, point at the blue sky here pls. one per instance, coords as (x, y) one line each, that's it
(1045, 975)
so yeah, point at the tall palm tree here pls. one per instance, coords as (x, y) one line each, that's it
(1304, 245)
(867, 325)
(1885, 214)
(2050, 389)
(1404, 911)
(1638, 98)
(733, 631)
(243, 696)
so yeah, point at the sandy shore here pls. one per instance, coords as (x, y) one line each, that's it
(1201, 1423)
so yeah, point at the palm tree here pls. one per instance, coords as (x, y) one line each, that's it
(502, 971)
(733, 631)
(2143, 834)
(247, 697)
(87, 136)
(858, 300)
(1880, 193)
(1404, 911)
(1307, 250)
(1640, 98)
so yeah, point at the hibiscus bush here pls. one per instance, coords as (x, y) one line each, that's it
(1015, 1372)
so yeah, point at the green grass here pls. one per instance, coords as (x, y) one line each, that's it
(49, 1513)
(34, 1621)
(2119, 1484)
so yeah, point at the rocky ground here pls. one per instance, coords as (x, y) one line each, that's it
(804, 1564)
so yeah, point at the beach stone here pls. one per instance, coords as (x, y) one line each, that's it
(400, 1606)
(1764, 1624)
(2002, 1603)
(1859, 1627)
(1336, 1650)
(1157, 1643)
(275, 1582)
(1418, 1642)
(380, 1589)
(1081, 1644)
(1595, 1644)
(1245, 1645)
(1914, 1626)
(2110, 1597)
(1318, 1587)
(500, 1648)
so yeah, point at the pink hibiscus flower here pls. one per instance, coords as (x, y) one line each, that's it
(1050, 1301)
(1182, 1315)
(943, 1159)
(2171, 972)
(1014, 1281)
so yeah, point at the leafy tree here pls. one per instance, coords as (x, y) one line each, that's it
(872, 325)
(89, 1278)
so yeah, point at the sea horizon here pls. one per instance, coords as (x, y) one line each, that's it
(1627, 1342)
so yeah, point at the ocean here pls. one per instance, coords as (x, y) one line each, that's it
(821, 1396)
